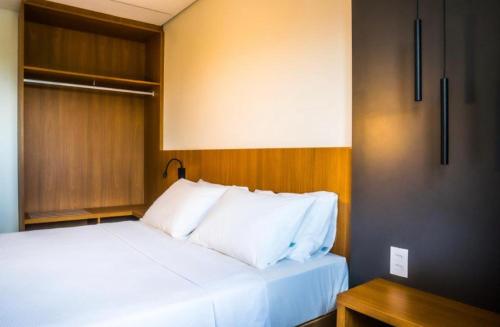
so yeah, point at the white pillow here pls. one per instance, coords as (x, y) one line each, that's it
(181, 208)
(329, 240)
(316, 234)
(254, 228)
(202, 182)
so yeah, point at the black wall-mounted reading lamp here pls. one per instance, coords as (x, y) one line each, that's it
(181, 171)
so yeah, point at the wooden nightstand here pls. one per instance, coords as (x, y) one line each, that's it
(382, 301)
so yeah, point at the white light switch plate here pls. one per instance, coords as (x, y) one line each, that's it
(399, 262)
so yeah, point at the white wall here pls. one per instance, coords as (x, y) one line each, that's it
(258, 74)
(8, 121)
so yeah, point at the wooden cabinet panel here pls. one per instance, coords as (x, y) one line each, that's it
(82, 149)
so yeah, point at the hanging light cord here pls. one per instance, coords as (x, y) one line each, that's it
(444, 38)
(418, 9)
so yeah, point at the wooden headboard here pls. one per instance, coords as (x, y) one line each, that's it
(279, 170)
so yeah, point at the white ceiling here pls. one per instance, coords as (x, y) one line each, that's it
(156, 12)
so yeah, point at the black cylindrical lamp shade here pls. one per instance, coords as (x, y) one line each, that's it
(444, 122)
(418, 59)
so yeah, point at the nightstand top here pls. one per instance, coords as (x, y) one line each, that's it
(398, 305)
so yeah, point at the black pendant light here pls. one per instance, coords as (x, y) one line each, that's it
(418, 55)
(444, 100)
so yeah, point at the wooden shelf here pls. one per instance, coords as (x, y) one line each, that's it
(84, 214)
(74, 77)
(50, 13)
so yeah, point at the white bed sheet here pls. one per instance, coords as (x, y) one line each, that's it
(235, 289)
(130, 274)
(299, 292)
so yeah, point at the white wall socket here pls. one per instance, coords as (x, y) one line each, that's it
(399, 262)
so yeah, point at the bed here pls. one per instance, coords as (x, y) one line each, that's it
(129, 274)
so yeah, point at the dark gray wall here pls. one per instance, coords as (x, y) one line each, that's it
(448, 217)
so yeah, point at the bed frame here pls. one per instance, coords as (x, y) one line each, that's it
(280, 170)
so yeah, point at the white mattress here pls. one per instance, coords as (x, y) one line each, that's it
(129, 274)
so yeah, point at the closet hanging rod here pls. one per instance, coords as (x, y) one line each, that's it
(89, 87)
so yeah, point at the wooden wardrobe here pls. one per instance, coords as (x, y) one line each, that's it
(84, 135)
